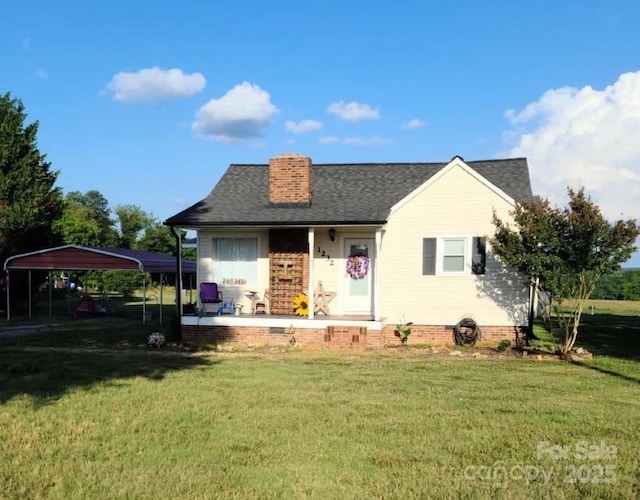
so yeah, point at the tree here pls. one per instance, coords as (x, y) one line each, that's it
(86, 220)
(631, 285)
(30, 205)
(157, 238)
(564, 251)
(132, 221)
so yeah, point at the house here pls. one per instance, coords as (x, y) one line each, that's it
(387, 243)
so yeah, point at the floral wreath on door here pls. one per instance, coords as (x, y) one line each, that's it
(358, 266)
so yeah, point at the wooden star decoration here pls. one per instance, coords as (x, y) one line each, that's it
(322, 298)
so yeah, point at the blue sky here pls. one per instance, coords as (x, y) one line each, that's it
(149, 102)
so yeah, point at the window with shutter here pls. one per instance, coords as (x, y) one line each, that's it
(455, 255)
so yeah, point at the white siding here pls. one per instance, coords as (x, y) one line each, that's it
(327, 269)
(455, 204)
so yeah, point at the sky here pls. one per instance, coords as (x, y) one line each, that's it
(149, 102)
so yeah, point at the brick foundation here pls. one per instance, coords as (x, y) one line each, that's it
(340, 336)
(440, 335)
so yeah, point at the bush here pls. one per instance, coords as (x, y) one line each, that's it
(503, 345)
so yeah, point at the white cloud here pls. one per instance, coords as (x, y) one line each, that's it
(414, 124)
(303, 126)
(243, 112)
(154, 83)
(584, 137)
(353, 112)
(355, 141)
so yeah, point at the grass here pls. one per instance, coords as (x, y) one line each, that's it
(613, 329)
(88, 413)
(292, 424)
(63, 307)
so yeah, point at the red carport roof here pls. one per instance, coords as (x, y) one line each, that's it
(80, 258)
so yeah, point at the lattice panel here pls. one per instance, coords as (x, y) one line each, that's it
(288, 259)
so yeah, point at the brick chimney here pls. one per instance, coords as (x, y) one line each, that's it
(290, 180)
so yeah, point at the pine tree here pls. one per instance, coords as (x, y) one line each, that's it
(29, 203)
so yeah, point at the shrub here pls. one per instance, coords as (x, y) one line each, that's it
(503, 345)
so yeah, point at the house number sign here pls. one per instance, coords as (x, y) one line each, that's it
(325, 254)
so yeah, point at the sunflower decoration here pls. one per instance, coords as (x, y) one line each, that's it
(301, 304)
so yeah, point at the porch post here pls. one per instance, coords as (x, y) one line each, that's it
(376, 276)
(310, 298)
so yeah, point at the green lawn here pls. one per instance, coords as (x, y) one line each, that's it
(613, 329)
(87, 414)
(90, 413)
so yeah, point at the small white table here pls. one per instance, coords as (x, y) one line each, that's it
(253, 294)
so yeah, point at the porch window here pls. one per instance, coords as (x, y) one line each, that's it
(235, 260)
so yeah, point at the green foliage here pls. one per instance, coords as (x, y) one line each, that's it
(622, 285)
(123, 282)
(503, 345)
(189, 253)
(132, 220)
(30, 205)
(404, 330)
(86, 220)
(157, 238)
(566, 251)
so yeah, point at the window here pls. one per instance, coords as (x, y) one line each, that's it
(454, 255)
(235, 260)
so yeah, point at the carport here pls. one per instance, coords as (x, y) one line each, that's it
(81, 258)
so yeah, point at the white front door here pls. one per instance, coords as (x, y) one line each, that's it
(358, 275)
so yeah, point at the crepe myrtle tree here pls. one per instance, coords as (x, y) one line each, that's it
(564, 251)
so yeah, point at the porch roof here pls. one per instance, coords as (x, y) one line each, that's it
(343, 194)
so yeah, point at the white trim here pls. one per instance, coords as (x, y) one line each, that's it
(310, 288)
(456, 162)
(376, 275)
(440, 255)
(268, 321)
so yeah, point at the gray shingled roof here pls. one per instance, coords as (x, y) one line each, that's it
(342, 193)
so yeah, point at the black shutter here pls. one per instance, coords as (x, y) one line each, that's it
(428, 256)
(479, 255)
